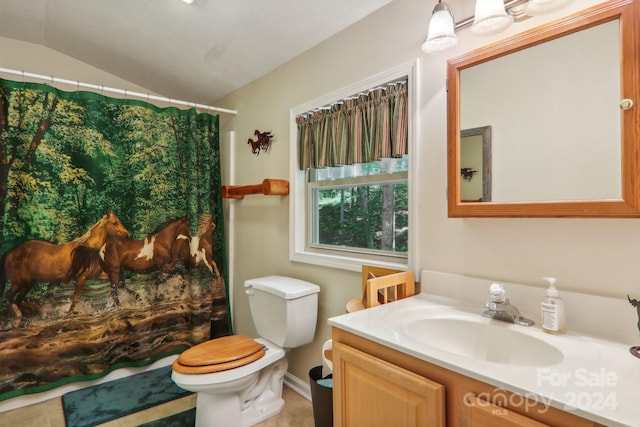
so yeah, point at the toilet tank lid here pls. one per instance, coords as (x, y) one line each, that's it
(283, 287)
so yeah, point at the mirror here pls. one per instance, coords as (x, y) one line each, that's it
(561, 143)
(475, 165)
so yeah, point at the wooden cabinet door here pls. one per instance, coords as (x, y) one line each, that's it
(485, 414)
(374, 393)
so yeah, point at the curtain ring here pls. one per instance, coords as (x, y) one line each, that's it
(125, 94)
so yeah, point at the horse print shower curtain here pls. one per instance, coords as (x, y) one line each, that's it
(111, 235)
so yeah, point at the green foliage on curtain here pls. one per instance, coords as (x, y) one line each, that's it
(68, 160)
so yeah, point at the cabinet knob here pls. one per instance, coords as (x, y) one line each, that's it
(626, 104)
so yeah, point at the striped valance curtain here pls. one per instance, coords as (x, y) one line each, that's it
(360, 129)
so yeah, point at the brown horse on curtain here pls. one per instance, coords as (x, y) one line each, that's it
(201, 246)
(159, 251)
(38, 260)
(85, 265)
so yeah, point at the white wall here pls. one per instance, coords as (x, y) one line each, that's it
(37, 59)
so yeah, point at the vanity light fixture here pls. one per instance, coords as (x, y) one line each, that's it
(491, 16)
(540, 7)
(442, 33)
(189, 1)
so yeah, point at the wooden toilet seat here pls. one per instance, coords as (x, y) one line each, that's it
(219, 354)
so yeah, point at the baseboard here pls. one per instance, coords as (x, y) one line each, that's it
(297, 385)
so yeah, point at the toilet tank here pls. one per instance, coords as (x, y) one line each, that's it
(284, 309)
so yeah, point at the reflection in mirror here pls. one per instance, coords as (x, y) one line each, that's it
(475, 164)
(555, 116)
(561, 143)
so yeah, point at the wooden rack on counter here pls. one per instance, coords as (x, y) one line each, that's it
(269, 187)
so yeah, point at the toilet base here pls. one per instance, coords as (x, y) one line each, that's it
(254, 415)
(259, 398)
(208, 415)
(225, 410)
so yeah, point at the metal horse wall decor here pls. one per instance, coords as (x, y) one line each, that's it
(263, 142)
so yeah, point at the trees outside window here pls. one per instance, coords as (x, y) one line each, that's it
(366, 213)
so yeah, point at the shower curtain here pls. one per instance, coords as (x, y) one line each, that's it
(83, 178)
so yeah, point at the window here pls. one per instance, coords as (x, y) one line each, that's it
(349, 205)
(365, 211)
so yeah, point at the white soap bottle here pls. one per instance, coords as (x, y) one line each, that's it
(552, 307)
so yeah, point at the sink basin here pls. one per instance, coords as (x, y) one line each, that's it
(478, 338)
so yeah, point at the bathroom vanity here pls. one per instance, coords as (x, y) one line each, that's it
(433, 360)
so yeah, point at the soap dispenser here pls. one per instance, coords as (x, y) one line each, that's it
(553, 316)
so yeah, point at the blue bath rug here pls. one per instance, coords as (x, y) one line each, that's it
(183, 419)
(115, 399)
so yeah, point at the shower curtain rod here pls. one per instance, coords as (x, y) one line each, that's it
(124, 92)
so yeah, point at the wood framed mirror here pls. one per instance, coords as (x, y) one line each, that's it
(565, 142)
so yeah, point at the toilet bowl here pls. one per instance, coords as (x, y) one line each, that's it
(238, 380)
(242, 396)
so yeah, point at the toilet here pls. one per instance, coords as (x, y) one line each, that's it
(238, 380)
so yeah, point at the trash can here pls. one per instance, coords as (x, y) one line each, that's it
(321, 397)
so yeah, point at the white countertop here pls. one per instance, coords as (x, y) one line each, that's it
(596, 379)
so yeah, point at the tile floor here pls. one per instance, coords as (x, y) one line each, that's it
(44, 414)
(297, 412)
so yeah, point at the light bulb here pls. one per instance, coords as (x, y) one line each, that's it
(540, 7)
(441, 35)
(491, 17)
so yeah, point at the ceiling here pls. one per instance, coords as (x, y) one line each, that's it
(197, 53)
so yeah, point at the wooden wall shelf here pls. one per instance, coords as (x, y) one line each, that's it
(269, 187)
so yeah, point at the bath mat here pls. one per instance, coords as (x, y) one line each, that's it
(183, 419)
(115, 399)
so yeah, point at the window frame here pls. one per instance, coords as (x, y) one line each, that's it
(299, 202)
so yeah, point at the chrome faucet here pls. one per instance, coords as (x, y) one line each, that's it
(500, 308)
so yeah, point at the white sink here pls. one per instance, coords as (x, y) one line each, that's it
(475, 337)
